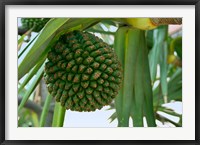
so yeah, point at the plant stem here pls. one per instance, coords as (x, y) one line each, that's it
(45, 110)
(59, 115)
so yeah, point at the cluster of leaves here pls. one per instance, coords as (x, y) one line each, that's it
(165, 56)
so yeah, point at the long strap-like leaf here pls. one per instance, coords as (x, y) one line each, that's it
(119, 45)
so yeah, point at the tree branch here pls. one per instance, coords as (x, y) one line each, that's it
(32, 106)
(166, 21)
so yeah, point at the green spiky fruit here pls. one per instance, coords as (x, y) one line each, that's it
(36, 23)
(82, 72)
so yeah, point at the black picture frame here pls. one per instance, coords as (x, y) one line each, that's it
(4, 3)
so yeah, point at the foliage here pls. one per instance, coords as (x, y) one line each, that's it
(151, 61)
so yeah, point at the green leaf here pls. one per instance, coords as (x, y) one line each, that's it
(159, 36)
(35, 120)
(21, 39)
(40, 45)
(147, 88)
(177, 95)
(31, 74)
(176, 45)
(32, 87)
(163, 72)
(169, 111)
(164, 119)
(174, 89)
(76, 24)
(130, 60)
(149, 39)
(113, 117)
(164, 68)
(109, 22)
(119, 45)
(29, 43)
(176, 77)
(45, 110)
(138, 66)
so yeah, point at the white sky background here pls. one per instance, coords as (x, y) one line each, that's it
(100, 118)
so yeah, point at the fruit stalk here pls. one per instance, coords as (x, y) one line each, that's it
(59, 115)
